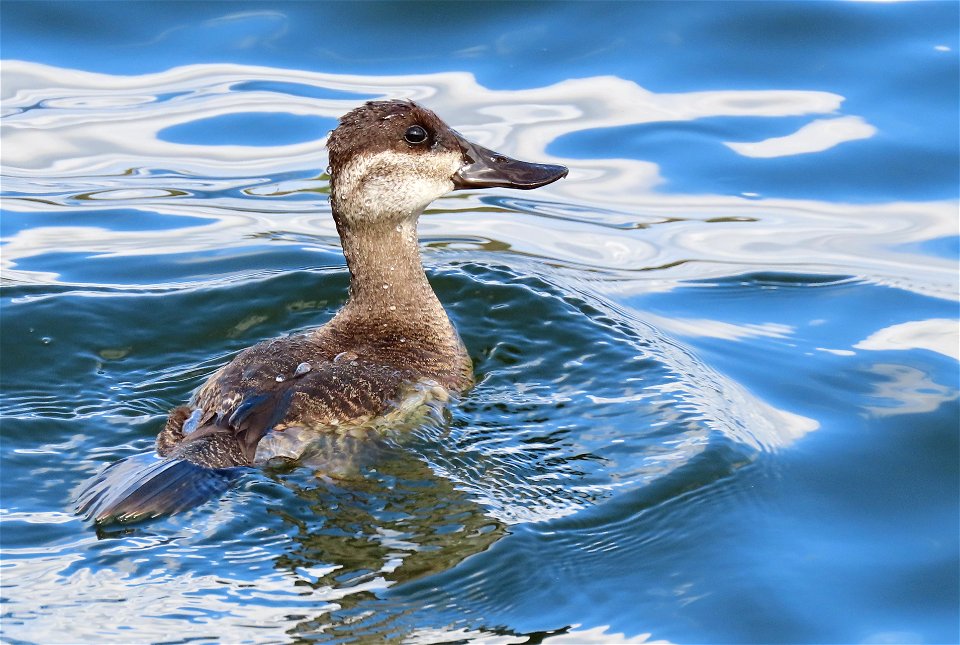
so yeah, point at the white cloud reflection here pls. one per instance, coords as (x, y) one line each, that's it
(815, 136)
(71, 136)
(85, 133)
(903, 389)
(940, 335)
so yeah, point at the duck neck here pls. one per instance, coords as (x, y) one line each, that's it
(387, 281)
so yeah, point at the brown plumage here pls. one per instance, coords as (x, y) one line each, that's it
(388, 160)
(349, 376)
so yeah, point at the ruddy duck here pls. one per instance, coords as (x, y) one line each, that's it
(390, 344)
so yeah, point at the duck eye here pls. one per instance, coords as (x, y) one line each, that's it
(415, 134)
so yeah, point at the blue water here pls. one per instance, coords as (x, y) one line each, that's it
(717, 365)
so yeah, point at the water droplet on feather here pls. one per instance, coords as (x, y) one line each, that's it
(191, 422)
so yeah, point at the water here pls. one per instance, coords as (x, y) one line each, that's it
(717, 393)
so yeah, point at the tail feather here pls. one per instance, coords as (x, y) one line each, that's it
(146, 486)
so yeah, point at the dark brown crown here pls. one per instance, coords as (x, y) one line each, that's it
(380, 125)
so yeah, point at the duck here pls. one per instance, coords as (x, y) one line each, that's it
(387, 352)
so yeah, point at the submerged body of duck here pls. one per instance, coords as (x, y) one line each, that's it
(388, 351)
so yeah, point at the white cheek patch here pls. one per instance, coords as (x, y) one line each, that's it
(393, 185)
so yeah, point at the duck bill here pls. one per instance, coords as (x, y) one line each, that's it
(485, 168)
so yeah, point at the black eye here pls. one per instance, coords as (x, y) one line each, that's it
(415, 134)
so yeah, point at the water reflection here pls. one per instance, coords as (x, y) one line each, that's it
(312, 562)
(589, 411)
(938, 335)
(816, 136)
(718, 328)
(393, 522)
(902, 389)
(82, 130)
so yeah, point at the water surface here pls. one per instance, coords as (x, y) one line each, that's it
(717, 384)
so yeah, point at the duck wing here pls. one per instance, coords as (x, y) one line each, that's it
(203, 449)
(146, 486)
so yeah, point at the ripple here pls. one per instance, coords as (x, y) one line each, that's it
(605, 216)
(530, 446)
(596, 442)
(123, 194)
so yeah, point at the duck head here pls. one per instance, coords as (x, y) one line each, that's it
(390, 159)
